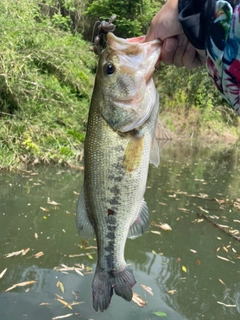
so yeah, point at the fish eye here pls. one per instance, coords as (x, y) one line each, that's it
(109, 68)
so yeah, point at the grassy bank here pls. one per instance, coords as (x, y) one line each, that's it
(192, 108)
(46, 80)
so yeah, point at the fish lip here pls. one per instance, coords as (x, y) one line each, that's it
(139, 39)
(153, 48)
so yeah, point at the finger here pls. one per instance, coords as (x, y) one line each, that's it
(180, 51)
(191, 58)
(168, 50)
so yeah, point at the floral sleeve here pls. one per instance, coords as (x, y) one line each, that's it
(223, 52)
(215, 26)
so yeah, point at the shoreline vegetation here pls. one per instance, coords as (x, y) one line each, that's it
(47, 72)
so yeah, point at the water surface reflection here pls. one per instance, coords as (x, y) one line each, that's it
(184, 267)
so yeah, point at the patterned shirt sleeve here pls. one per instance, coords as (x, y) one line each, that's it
(219, 35)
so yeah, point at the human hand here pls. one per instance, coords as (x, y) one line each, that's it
(176, 49)
(181, 53)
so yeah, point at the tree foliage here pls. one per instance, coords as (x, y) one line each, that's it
(133, 16)
(47, 71)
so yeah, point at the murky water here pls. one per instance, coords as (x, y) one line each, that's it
(193, 270)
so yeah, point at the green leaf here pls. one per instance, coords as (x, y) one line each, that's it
(160, 314)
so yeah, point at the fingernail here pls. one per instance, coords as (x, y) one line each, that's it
(170, 45)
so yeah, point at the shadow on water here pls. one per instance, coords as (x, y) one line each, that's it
(193, 270)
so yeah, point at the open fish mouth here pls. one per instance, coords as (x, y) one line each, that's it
(152, 48)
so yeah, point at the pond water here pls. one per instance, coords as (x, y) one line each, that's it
(193, 270)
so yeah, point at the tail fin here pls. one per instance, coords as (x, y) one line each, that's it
(104, 282)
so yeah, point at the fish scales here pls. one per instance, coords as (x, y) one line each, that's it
(111, 204)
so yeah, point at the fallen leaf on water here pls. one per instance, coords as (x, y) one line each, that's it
(64, 316)
(160, 314)
(61, 286)
(235, 220)
(183, 209)
(220, 280)
(36, 235)
(138, 300)
(162, 203)
(76, 255)
(76, 303)
(156, 232)
(3, 273)
(198, 262)
(65, 268)
(234, 232)
(172, 195)
(198, 220)
(172, 291)
(45, 304)
(23, 252)
(66, 304)
(78, 271)
(227, 305)
(148, 289)
(193, 251)
(39, 254)
(225, 249)
(21, 284)
(82, 254)
(184, 269)
(165, 227)
(90, 256)
(206, 211)
(44, 209)
(54, 203)
(225, 259)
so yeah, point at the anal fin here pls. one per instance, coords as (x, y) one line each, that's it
(141, 224)
(84, 225)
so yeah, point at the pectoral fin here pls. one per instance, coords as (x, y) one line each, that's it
(141, 224)
(84, 225)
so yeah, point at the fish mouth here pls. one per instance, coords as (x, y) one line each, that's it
(151, 49)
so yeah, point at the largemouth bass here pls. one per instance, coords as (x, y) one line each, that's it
(118, 147)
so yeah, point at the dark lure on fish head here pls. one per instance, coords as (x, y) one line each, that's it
(118, 147)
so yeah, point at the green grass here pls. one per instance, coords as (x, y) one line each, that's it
(46, 79)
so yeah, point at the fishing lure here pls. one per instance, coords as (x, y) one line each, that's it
(103, 28)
